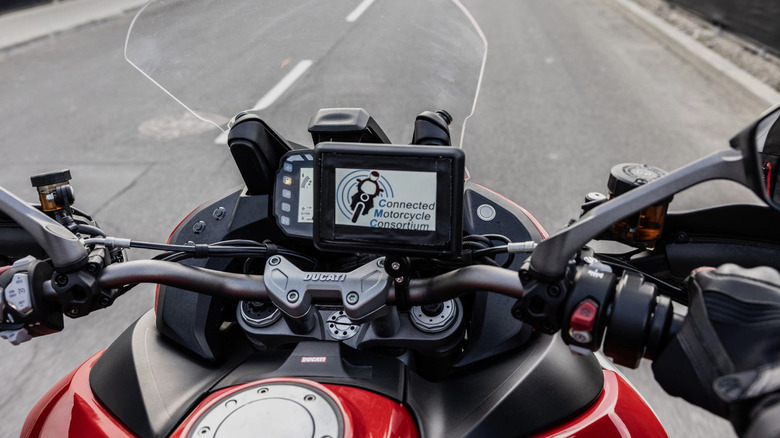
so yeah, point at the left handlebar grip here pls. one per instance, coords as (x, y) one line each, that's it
(26, 310)
(200, 280)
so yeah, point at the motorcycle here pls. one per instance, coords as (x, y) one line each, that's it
(360, 287)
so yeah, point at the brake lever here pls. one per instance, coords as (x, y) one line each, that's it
(65, 250)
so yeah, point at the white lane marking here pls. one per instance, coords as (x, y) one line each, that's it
(286, 82)
(276, 92)
(354, 15)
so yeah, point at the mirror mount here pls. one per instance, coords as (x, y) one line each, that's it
(550, 258)
(759, 144)
(66, 251)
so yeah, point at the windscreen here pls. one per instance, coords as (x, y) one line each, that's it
(286, 59)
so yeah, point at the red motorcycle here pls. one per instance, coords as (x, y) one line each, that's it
(364, 288)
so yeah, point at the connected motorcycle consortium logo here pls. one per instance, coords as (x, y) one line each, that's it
(366, 198)
(357, 193)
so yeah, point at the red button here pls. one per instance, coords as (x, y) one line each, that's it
(584, 316)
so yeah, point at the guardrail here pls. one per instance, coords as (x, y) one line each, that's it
(756, 20)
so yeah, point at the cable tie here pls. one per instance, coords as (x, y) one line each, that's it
(201, 251)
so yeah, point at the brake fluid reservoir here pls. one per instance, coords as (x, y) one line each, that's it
(644, 227)
(47, 184)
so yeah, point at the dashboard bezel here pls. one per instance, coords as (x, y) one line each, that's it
(286, 201)
(448, 165)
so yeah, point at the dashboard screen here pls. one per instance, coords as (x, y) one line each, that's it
(389, 199)
(293, 199)
(306, 196)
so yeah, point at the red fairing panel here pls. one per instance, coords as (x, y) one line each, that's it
(619, 413)
(375, 416)
(69, 409)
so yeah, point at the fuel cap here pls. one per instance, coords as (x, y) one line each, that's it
(275, 409)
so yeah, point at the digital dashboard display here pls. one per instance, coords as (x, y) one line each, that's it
(389, 199)
(306, 196)
(293, 199)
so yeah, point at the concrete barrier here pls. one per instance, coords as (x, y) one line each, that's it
(756, 20)
(11, 5)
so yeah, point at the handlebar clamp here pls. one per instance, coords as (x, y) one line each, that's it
(363, 292)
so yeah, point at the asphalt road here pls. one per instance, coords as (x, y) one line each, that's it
(570, 89)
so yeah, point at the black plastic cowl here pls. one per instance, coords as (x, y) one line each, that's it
(257, 150)
(348, 125)
(432, 128)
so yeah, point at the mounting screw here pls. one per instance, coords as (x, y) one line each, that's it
(353, 298)
(399, 280)
(105, 301)
(380, 263)
(292, 296)
(61, 280)
(395, 266)
(525, 276)
(219, 213)
(554, 290)
(275, 260)
(73, 311)
(198, 227)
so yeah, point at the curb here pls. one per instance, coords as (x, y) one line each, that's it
(26, 25)
(714, 66)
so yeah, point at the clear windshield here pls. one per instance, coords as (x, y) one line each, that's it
(285, 59)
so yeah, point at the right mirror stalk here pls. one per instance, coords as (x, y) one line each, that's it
(760, 146)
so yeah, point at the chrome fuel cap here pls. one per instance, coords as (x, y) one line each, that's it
(276, 409)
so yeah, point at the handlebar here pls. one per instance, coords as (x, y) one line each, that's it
(252, 287)
(641, 320)
(200, 280)
(462, 281)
